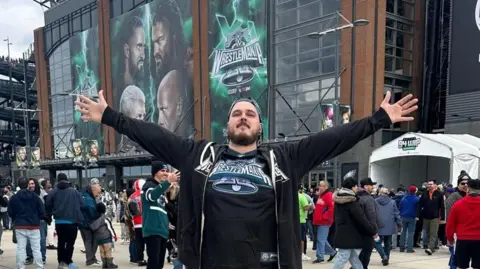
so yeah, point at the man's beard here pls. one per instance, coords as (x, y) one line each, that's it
(137, 73)
(162, 67)
(242, 139)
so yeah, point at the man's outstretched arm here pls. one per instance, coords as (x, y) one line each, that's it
(315, 149)
(163, 144)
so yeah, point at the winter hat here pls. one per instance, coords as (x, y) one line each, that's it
(474, 184)
(412, 189)
(62, 177)
(157, 166)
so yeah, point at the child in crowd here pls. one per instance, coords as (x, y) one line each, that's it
(105, 236)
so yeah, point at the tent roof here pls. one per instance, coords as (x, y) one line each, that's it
(419, 144)
(470, 139)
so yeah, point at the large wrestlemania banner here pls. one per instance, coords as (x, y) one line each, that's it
(238, 59)
(152, 66)
(84, 54)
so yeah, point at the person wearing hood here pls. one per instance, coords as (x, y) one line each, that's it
(463, 222)
(323, 219)
(134, 209)
(89, 210)
(390, 218)
(27, 210)
(354, 230)
(64, 203)
(408, 213)
(154, 216)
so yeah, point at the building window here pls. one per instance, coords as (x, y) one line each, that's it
(61, 112)
(398, 47)
(401, 8)
(303, 98)
(299, 57)
(289, 13)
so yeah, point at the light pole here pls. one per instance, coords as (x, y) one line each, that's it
(336, 30)
(12, 124)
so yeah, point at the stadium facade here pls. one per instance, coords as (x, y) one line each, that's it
(215, 51)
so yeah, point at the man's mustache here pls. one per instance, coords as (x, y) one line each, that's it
(243, 124)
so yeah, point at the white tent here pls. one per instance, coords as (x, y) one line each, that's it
(415, 157)
(470, 139)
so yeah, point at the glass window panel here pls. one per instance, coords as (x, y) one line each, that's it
(309, 86)
(328, 65)
(286, 127)
(389, 36)
(328, 40)
(305, 2)
(309, 69)
(286, 74)
(308, 44)
(285, 36)
(389, 50)
(308, 97)
(405, 9)
(126, 171)
(286, 61)
(388, 81)
(391, 6)
(328, 52)
(287, 5)
(309, 12)
(330, 6)
(86, 21)
(402, 83)
(308, 56)
(390, 22)
(389, 63)
(327, 82)
(286, 48)
(286, 19)
(136, 171)
(400, 39)
(404, 27)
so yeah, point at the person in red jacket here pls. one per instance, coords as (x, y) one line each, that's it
(323, 219)
(463, 221)
(135, 208)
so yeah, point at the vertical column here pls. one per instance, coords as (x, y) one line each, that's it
(52, 175)
(114, 174)
(105, 67)
(204, 66)
(46, 146)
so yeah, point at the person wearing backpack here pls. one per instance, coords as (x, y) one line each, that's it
(134, 204)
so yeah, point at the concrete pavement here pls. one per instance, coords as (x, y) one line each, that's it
(398, 260)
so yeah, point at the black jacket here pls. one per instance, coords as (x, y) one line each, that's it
(431, 208)
(353, 230)
(288, 163)
(26, 210)
(65, 203)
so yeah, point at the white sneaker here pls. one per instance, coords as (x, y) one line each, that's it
(305, 258)
(96, 264)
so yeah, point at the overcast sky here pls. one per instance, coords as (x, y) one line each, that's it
(18, 19)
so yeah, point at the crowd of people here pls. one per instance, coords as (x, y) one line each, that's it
(38, 212)
(363, 217)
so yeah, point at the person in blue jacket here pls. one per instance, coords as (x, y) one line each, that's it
(408, 212)
(89, 210)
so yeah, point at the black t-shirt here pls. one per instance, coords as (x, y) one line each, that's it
(240, 229)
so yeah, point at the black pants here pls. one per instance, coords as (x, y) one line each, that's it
(156, 250)
(365, 255)
(331, 235)
(442, 237)
(418, 231)
(66, 236)
(140, 245)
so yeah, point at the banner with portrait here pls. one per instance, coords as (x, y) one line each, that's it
(35, 157)
(328, 115)
(85, 72)
(237, 60)
(91, 151)
(77, 152)
(21, 154)
(152, 68)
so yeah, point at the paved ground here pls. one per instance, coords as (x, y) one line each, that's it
(398, 260)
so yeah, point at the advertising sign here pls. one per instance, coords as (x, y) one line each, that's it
(409, 143)
(91, 151)
(35, 157)
(77, 151)
(21, 157)
(84, 55)
(238, 60)
(465, 47)
(152, 67)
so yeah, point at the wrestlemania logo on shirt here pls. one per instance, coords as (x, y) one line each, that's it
(239, 176)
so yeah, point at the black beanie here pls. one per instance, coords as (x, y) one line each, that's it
(463, 176)
(62, 177)
(474, 184)
(157, 166)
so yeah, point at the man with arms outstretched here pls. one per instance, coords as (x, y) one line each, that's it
(239, 202)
